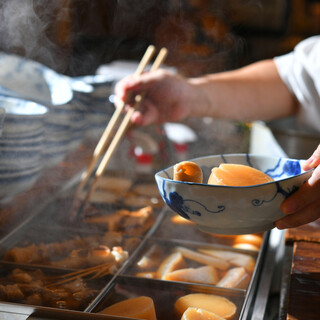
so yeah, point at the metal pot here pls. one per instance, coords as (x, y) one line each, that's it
(298, 143)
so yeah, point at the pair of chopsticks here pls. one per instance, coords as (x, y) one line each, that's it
(101, 146)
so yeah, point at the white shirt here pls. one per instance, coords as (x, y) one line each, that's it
(300, 71)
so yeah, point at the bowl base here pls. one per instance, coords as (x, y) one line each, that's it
(236, 231)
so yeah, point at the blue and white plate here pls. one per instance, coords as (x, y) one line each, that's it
(233, 210)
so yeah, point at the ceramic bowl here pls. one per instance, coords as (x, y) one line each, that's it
(23, 77)
(92, 99)
(233, 210)
(22, 139)
(101, 84)
(23, 117)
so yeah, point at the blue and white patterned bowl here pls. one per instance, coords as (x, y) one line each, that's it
(91, 94)
(233, 210)
(23, 117)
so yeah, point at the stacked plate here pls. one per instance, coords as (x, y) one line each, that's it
(91, 93)
(2, 116)
(62, 120)
(21, 145)
(28, 79)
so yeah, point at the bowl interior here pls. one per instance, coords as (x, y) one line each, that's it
(276, 167)
(228, 209)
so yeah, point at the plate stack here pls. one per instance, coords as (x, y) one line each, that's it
(91, 93)
(21, 145)
(28, 79)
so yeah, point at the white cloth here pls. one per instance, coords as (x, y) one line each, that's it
(300, 71)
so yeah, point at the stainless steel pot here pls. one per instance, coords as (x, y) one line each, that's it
(296, 142)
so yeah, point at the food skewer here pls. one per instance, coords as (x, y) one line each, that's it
(95, 272)
(118, 135)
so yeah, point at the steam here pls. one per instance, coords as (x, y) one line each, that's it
(24, 29)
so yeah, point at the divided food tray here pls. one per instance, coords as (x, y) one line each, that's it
(51, 226)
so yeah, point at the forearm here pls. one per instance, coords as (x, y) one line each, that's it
(255, 92)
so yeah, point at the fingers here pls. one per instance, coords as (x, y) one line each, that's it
(126, 89)
(306, 215)
(146, 114)
(315, 178)
(313, 161)
(303, 206)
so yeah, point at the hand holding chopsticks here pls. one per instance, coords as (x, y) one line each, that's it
(122, 128)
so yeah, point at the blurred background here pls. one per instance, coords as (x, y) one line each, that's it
(75, 37)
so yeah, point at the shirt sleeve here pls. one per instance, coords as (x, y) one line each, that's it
(300, 71)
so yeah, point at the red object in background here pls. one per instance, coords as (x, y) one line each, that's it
(144, 158)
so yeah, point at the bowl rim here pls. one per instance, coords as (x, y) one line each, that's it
(17, 102)
(222, 155)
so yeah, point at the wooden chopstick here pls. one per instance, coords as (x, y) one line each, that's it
(105, 138)
(122, 129)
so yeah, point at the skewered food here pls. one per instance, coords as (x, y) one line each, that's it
(221, 306)
(133, 222)
(74, 253)
(36, 288)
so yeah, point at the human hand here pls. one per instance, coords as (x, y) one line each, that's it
(168, 97)
(303, 206)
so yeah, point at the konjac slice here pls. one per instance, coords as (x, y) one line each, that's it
(219, 305)
(187, 171)
(137, 308)
(237, 175)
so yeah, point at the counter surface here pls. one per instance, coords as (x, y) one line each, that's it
(304, 290)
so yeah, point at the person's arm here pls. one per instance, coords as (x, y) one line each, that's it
(255, 92)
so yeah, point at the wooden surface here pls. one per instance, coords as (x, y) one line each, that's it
(308, 232)
(304, 288)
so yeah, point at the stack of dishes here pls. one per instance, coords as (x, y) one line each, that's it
(21, 145)
(91, 93)
(28, 79)
(62, 120)
(2, 116)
